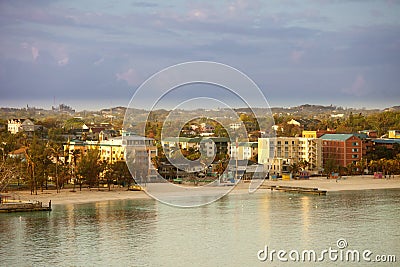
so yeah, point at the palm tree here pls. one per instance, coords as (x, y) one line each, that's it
(304, 165)
(382, 163)
(294, 168)
(373, 165)
(361, 165)
(392, 166)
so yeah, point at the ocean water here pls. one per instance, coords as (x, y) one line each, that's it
(233, 231)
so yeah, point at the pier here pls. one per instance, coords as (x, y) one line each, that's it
(21, 206)
(300, 190)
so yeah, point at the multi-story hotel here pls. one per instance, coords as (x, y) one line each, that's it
(137, 150)
(278, 153)
(341, 148)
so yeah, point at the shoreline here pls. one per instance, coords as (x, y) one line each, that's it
(346, 183)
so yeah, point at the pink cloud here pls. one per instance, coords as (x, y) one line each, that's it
(296, 56)
(358, 87)
(35, 53)
(197, 14)
(60, 54)
(128, 76)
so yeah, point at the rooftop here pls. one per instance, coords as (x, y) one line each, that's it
(386, 141)
(336, 137)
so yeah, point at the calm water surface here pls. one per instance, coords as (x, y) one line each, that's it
(228, 232)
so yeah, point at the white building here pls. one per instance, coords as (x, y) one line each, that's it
(243, 150)
(21, 125)
(14, 125)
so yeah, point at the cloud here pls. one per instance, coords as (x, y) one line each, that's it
(296, 56)
(265, 40)
(99, 61)
(128, 76)
(64, 61)
(35, 53)
(358, 87)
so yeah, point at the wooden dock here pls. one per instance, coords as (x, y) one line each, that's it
(300, 190)
(23, 206)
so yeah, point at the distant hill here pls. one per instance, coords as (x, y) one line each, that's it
(305, 111)
(394, 108)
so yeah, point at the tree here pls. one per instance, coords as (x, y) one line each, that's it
(55, 149)
(39, 158)
(304, 164)
(294, 168)
(221, 166)
(373, 165)
(75, 156)
(119, 172)
(330, 166)
(361, 165)
(90, 167)
(350, 168)
(9, 169)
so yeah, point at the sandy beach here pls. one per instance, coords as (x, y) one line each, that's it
(365, 182)
(66, 196)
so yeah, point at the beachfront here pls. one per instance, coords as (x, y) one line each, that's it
(366, 182)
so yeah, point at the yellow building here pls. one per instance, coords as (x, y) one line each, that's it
(394, 134)
(278, 153)
(113, 149)
(309, 134)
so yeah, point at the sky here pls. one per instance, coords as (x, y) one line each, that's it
(95, 54)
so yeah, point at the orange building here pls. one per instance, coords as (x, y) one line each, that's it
(342, 148)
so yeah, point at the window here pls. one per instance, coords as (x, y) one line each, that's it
(354, 150)
(292, 142)
(286, 142)
(355, 144)
(354, 156)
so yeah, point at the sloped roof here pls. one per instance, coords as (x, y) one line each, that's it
(336, 137)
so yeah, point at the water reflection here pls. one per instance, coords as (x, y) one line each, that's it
(75, 233)
(227, 232)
